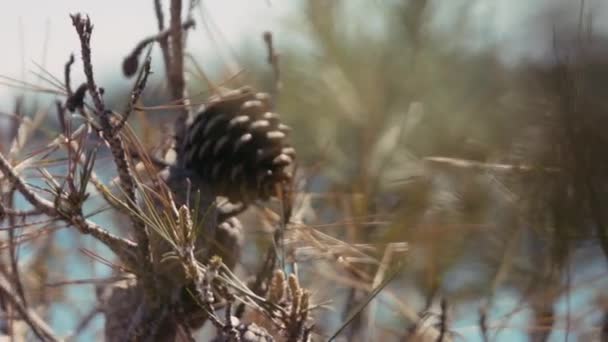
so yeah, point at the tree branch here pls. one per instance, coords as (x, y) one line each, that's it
(121, 247)
(138, 88)
(163, 41)
(38, 326)
(176, 72)
(130, 64)
(84, 28)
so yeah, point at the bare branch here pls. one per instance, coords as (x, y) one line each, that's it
(84, 28)
(13, 249)
(18, 213)
(138, 88)
(273, 60)
(176, 74)
(67, 74)
(121, 247)
(38, 326)
(163, 42)
(130, 64)
(176, 71)
(85, 321)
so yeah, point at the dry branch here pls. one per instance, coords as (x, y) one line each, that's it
(84, 28)
(37, 324)
(175, 74)
(123, 248)
(131, 62)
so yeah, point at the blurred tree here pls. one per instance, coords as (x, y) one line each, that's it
(478, 165)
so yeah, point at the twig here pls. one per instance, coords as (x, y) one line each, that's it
(483, 324)
(443, 320)
(189, 16)
(138, 88)
(130, 64)
(366, 301)
(46, 221)
(273, 61)
(176, 72)
(13, 251)
(14, 139)
(163, 42)
(382, 268)
(19, 84)
(73, 146)
(18, 213)
(66, 75)
(481, 166)
(76, 100)
(85, 321)
(46, 76)
(84, 28)
(121, 247)
(88, 281)
(38, 326)
(262, 277)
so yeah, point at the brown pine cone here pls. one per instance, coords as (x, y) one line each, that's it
(239, 147)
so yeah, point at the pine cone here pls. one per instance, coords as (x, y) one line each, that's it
(239, 146)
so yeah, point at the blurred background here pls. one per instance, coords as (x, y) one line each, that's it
(472, 131)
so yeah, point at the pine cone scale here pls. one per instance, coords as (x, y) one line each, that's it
(240, 147)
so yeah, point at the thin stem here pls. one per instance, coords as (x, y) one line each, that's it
(84, 28)
(38, 326)
(121, 247)
(176, 72)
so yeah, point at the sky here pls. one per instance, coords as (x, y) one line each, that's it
(40, 31)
